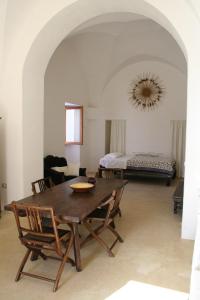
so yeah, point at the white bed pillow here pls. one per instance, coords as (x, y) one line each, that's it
(113, 155)
(60, 169)
(70, 169)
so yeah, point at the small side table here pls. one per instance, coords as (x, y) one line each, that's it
(178, 196)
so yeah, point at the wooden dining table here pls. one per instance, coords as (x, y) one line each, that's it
(73, 207)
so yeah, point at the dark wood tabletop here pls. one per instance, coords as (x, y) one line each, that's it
(72, 206)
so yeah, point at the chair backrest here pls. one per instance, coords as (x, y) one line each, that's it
(118, 197)
(31, 232)
(109, 204)
(41, 185)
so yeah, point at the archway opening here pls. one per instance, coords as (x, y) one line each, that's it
(37, 58)
(87, 67)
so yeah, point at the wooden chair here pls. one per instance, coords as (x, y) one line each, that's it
(116, 208)
(37, 239)
(103, 215)
(41, 185)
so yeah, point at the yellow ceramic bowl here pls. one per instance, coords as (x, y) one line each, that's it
(82, 186)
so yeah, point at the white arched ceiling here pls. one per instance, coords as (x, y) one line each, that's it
(138, 58)
(131, 40)
(27, 55)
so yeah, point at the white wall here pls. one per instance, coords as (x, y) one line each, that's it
(147, 130)
(64, 82)
(3, 9)
(95, 67)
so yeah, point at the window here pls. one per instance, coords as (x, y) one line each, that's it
(74, 124)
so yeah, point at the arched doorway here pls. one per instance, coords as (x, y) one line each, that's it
(87, 67)
(26, 88)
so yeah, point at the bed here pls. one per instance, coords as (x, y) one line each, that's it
(152, 165)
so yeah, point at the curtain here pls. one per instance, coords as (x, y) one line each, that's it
(178, 131)
(118, 136)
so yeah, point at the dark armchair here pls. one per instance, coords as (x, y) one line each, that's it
(57, 177)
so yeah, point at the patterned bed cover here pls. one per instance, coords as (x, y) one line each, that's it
(155, 163)
(141, 162)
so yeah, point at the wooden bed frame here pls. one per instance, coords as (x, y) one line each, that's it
(125, 173)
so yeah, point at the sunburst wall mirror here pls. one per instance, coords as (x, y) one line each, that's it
(146, 91)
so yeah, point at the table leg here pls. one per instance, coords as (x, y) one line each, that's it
(77, 253)
(35, 255)
(175, 207)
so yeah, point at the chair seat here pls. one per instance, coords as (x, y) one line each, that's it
(49, 240)
(99, 213)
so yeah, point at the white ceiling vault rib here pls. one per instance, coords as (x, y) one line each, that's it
(142, 58)
(118, 27)
(108, 18)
